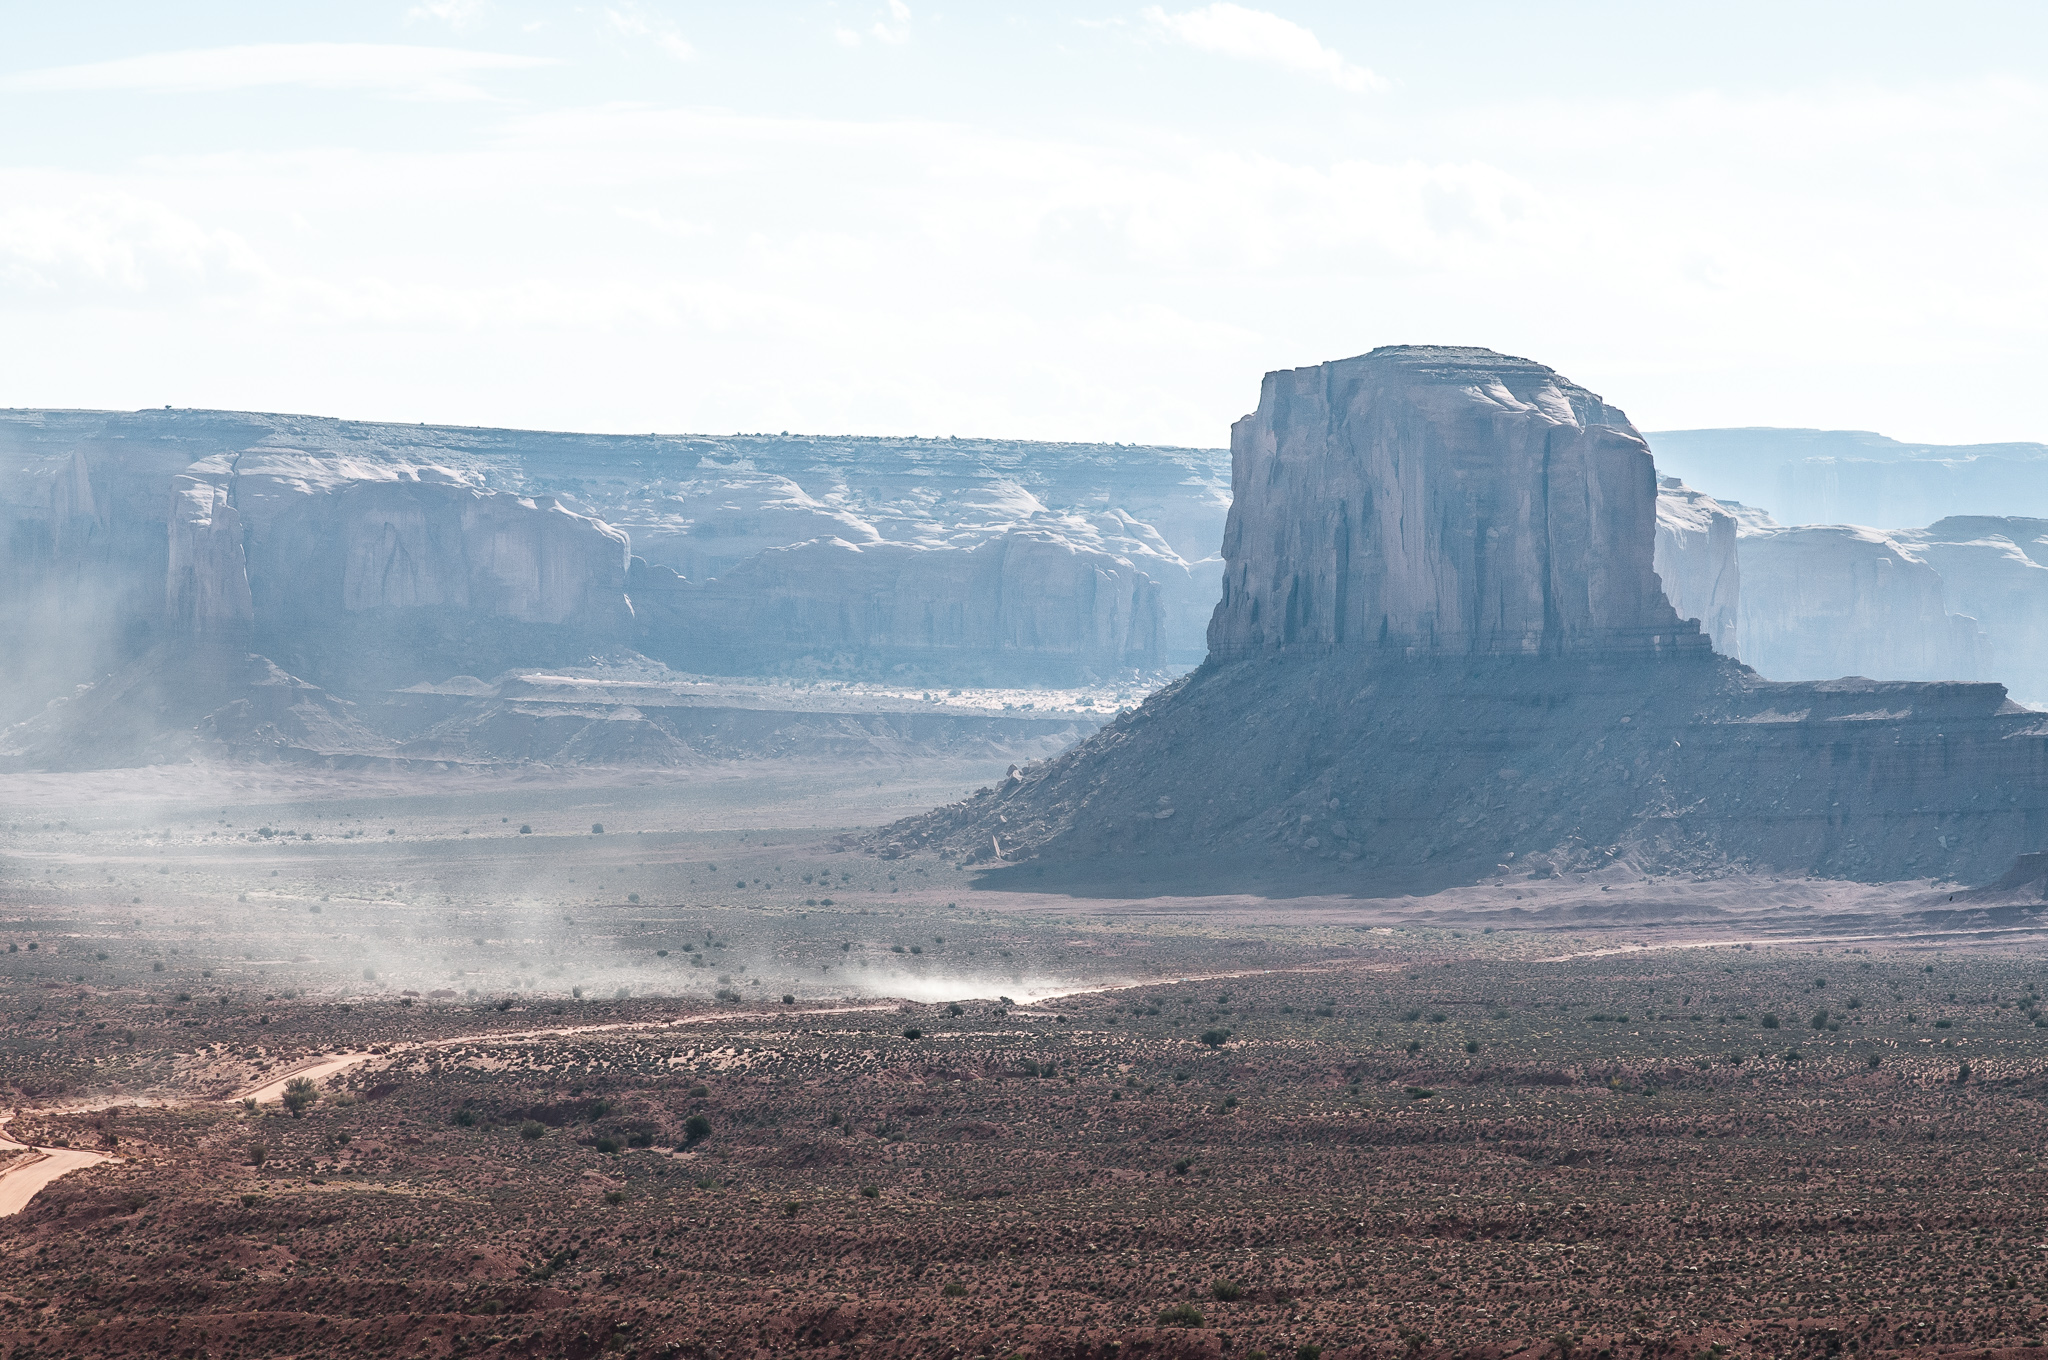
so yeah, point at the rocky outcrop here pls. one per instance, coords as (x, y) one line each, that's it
(1824, 600)
(1532, 724)
(1438, 501)
(1051, 610)
(207, 580)
(1696, 562)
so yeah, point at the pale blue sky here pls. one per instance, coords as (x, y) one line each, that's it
(1061, 220)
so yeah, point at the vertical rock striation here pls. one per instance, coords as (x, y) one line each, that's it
(1441, 501)
(1696, 561)
(207, 583)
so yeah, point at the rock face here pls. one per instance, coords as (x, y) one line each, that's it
(1994, 569)
(1824, 600)
(1025, 597)
(1696, 561)
(368, 556)
(1540, 730)
(207, 586)
(1434, 501)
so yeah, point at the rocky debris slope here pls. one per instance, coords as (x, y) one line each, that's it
(185, 700)
(1696, 561)
(1563, 720)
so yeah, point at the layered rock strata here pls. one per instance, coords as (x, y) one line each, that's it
(1504, 704)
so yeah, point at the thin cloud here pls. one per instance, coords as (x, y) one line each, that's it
(634, 22)
(454, 13)
(402, 71)
(1256, 35)
(892, 29)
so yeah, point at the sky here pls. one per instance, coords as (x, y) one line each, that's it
(1060, 220)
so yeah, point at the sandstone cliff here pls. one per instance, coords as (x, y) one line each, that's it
(1046, 607)
(1824, 600)
(207, 587)
(1439, 501)
(1495, 524)
(1696, 561)
(375, 555)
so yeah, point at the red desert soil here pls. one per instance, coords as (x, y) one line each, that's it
(1449, 1144)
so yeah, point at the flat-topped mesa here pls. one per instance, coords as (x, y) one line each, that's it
(1442, 501)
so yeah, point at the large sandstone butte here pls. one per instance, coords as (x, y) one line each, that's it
(1443, 655)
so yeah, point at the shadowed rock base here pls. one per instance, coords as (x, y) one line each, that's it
(1282, 774)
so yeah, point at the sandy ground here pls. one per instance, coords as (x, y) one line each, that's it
(21, 1181)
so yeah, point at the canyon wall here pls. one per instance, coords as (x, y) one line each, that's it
(365, 555)
(1826, 600)
(1440, 501)
(1696, 562)
(1025, 605)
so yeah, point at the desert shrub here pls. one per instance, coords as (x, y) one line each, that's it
(466, 1117)
(1471, 1045)
(789, 998)
(791, 1208)
(1415, 1045)
(955, 1290)
(871, 1192)
(1420, 1093)
(1215, 1038)
(1437, 1017)
(1769, 1021)
(533, 1129)
(299, 1095)
(597, 828)
(1327, 1012)
(258, 1154)
(955, 1008)
(1410, 1017)
(1943, 1024)
(699, 1092)
(525, 829)
(1877, 1060)
(1308, 1351)
(696, 1129)
(606, 1145)
(1820, 1019)
(1181, 1315)
(1226, 1291)
(1180, 1168)
(913, 1033)
(251, 1201)
(614, 1197)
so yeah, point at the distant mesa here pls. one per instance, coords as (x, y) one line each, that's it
(1443, 654)
(161, 564)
